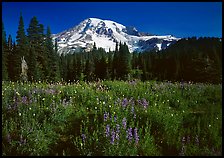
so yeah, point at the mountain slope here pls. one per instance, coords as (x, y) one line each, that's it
(105, 33)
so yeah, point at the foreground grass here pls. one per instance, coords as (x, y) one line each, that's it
(111, 118)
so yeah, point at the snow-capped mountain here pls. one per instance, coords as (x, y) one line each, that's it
(105, 33)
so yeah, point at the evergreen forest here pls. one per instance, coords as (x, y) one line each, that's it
(190, 59)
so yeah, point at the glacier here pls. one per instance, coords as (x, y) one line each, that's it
(105, 34)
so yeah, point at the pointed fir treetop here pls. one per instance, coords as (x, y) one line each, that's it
(21, 36)
(49, 42)
(32, 29)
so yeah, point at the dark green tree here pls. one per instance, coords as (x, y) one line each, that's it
(36, 39)
(4, 55)
(21, 39)
(51, 58)
(33, 75)
(124, 60)
(115, 62)
(56, 63)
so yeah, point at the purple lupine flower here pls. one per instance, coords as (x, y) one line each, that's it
(50, 91)
(134, 116)
(136, 135)
(16, 101)
(24, 99)
(115, 118)
(144, 103)
(139, 102)
(132, 109)
(124, 122)
(83, 137)
(117, 131)
(125, 102)
(15, 105)
(112, 137)
(106, 115)
(107, 131)
(129, 134)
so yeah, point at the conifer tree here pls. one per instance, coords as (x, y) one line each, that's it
(115, 62)
(21, 39)
(36, 40)
(56, 63)
(52, 58)
(32, 69)
(124, 60)
(4, 55)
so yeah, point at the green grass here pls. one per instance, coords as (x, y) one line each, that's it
(51, 119)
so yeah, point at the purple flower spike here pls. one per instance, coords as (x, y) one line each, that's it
(144, 103)
(24, 99)
(129, 134)
(115, 118)
(83, 137)
(136, 135)
(106, 115)
(125, 102)
(117, 131)
(112, 137)
(107, 130)
(132, 109)
(124, 122)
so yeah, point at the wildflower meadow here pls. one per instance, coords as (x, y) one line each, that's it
(123, 118)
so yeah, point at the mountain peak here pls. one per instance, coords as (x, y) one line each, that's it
(105, 33)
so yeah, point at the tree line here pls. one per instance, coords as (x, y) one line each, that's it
(38, 50)
(190, 59)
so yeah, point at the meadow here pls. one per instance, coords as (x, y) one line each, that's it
(111, 118)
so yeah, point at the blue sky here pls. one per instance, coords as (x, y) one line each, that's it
(181, 19)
